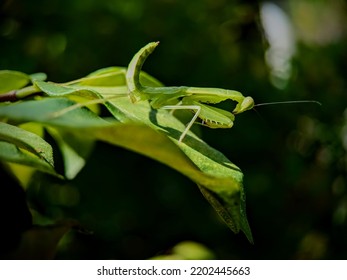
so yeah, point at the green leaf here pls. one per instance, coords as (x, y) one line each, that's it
(227, 197)
(11, 153)
(38, 77)
(75, 150)
(27, 140)
(56, 90)
(24, 173)
(218, 178)
(43, 111)
(11, 80)
(216, 175)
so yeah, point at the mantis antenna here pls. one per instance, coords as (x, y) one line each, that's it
(288, 102)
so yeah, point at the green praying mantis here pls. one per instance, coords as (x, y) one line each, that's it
(195, 99)
(185, 98)
(189, 98)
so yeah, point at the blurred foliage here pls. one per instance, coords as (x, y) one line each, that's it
(187, 250)
(293, 156)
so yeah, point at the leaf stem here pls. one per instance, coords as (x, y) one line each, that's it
(8, 96)
(15, 95)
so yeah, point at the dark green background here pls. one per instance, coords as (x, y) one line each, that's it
(293, 156)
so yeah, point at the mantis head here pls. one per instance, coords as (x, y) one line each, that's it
(246, 104)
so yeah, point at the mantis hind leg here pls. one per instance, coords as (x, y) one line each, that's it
(195, 108)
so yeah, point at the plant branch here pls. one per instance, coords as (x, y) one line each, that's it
(15, 95)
